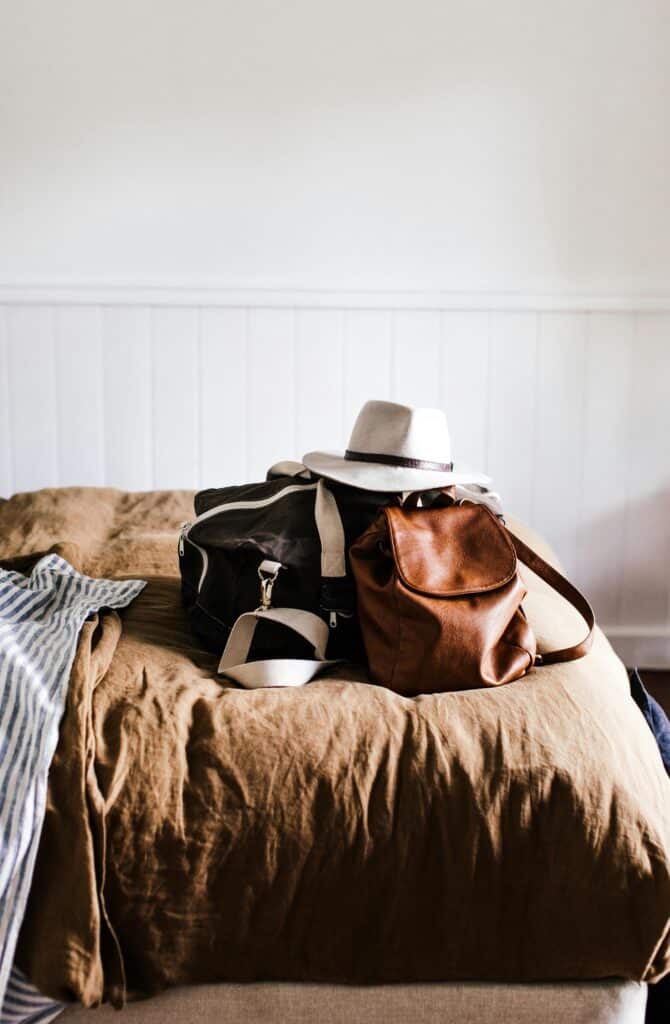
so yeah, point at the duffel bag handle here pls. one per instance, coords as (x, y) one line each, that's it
(275, 671)
(331, 533)
(455, 494)
(328, 520)
(287, 467)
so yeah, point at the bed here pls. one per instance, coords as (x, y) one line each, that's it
(251, 855)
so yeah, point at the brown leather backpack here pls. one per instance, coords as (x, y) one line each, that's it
(439, 600)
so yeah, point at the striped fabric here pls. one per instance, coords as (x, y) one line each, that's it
(40, 620)
(24, 1004)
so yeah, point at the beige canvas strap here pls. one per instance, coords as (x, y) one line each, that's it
(275, 671)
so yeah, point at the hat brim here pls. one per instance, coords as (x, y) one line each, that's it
(378, 476)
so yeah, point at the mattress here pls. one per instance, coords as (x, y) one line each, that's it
(606, 1002)
(338, 833)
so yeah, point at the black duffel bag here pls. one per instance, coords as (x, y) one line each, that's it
(257, 553)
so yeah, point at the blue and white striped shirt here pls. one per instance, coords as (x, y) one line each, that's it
(40, 620)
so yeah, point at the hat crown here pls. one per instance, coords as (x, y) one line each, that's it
(387, 428)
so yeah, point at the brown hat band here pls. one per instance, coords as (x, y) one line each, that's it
(398, 460)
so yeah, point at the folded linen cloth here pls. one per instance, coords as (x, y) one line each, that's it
(40, 619)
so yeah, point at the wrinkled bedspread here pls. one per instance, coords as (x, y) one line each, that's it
(197, 832)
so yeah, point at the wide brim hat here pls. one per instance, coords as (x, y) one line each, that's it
(395, 448)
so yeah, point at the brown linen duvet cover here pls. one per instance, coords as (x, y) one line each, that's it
(338, 832)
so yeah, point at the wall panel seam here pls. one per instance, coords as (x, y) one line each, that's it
(488, 391)
(11, 455)
(625, 529)
(58, 424)
(581, 432)
(199, 421)
(245, 426)
(152, 397)
(102, 453)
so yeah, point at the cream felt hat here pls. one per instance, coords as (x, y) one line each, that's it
(394, 448)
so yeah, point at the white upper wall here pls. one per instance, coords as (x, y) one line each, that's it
(476, 144)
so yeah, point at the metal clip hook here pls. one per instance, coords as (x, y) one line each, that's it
(267, 574)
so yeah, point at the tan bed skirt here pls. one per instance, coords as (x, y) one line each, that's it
(604, 1002)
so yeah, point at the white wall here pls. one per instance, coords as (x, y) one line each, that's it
(451, 144)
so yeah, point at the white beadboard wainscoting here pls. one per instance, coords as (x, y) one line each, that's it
(567, 409)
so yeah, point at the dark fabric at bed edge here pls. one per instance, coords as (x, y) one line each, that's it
(655, 716)
(658, 1003)
(337, 832)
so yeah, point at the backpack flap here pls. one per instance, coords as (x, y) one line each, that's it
(450, 552)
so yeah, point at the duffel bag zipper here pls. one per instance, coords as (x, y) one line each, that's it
(231, 506)
(183, 537)
(334, 616)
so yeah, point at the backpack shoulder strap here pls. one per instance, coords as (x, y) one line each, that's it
(566, 590)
